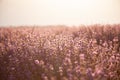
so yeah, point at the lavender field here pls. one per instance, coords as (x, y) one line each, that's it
(60, 53)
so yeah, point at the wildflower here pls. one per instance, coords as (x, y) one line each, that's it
(61, 71)
(37, 61)
(76, 62)
(89, 74)
(95, 52)
(82, 56)
(44, 77)
(41, 63)
(67, 61)
(51, 67)
(77, 69)
(13, 68)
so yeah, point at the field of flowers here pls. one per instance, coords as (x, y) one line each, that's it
(60, 53)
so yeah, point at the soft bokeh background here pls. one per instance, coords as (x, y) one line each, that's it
(54, 12)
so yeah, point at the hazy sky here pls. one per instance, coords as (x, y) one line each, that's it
(53, 12)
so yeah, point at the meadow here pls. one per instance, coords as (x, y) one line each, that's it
(60, 52)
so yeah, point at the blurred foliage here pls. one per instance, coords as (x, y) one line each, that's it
(60, 53)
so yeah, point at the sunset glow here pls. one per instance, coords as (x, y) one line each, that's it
(54, 12)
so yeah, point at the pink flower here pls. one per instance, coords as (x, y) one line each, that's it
(37, 61)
